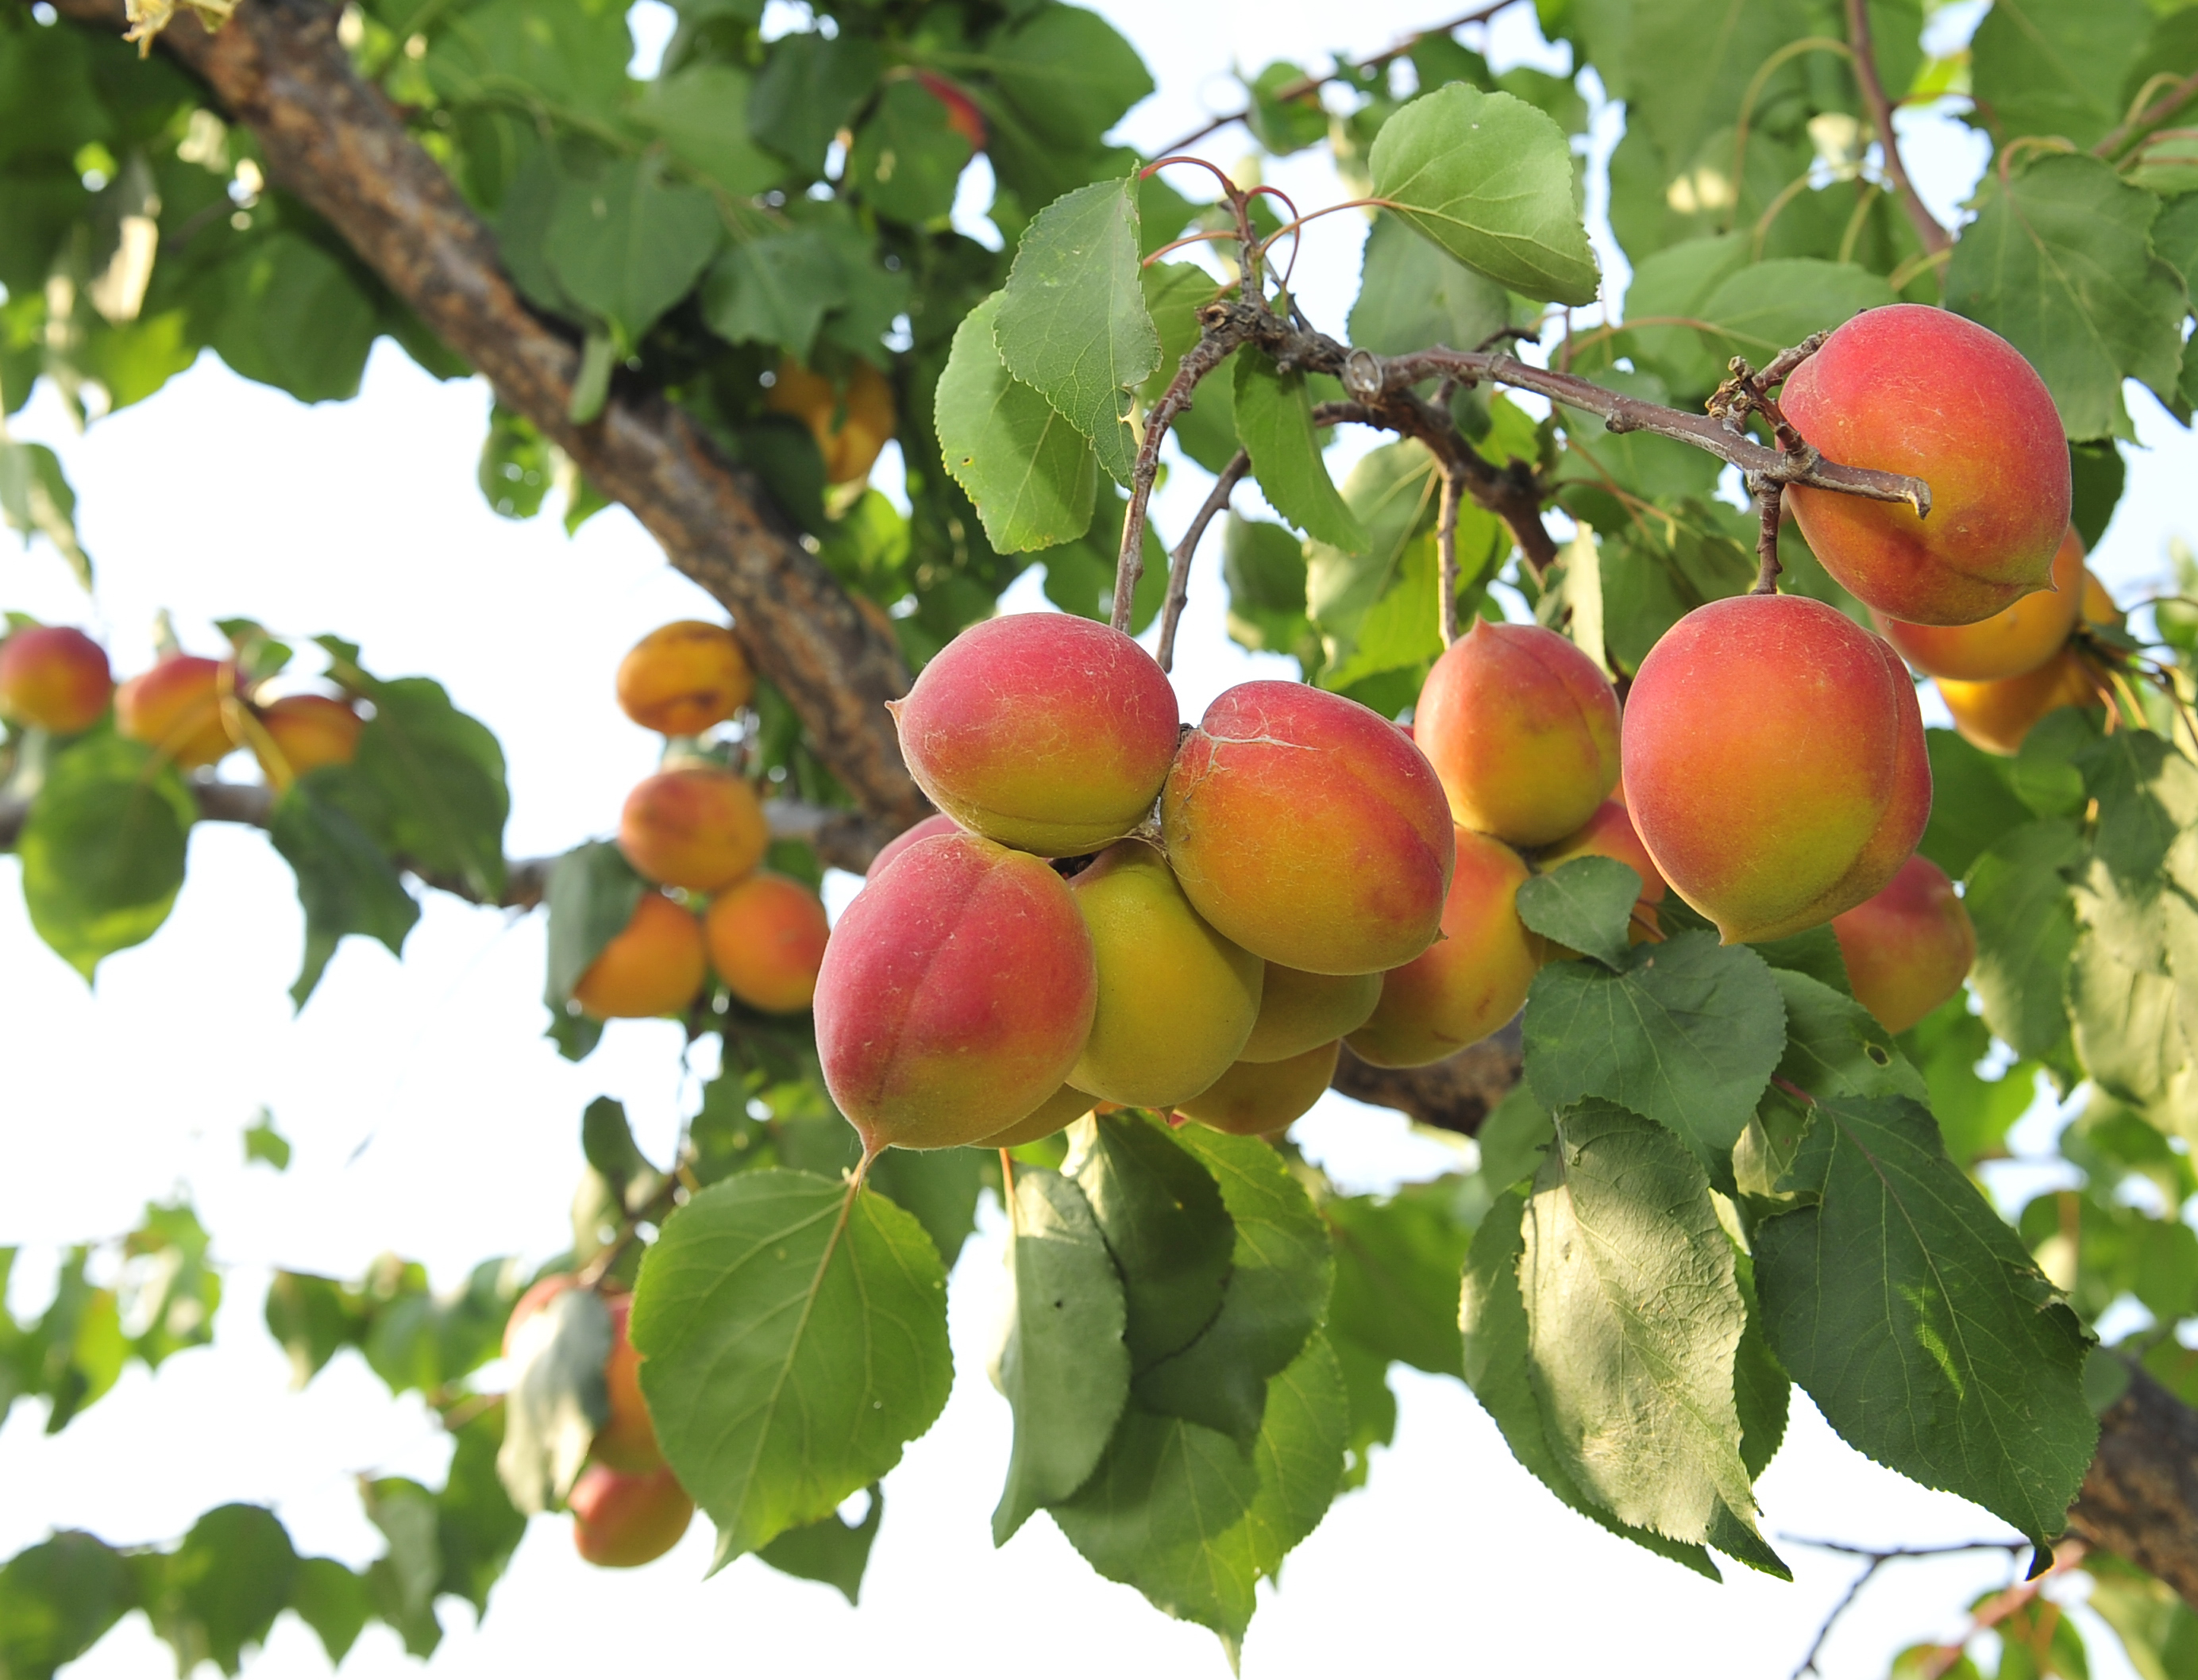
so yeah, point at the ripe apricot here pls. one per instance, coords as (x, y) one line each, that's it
(937, 823)
(626, 1442)
(53, 678)
(956, 995)
(1064, 1108)
(175, 708)
(1523, 730)
(2099, 606)
(1304, 826)
(540, 1294)
(684, 676)
(1997, 716)
(1473, 981)
(1257, 1098)
(851, 424)
(1177, 1000)
(1909, 949)
(1775, 763)
(2013, 640)
(699, 826)
(1610, 833)
(766, 936)
(309, 731)
(1299, 1012)
(654, 966)
(963, 115)
(1041, 731)
(621, 1521)
(1911, 389)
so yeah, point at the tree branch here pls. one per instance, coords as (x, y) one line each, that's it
(338, 144)
(1935, 238)
(2140, 1497)
(1455, 1094)
(1178, 590)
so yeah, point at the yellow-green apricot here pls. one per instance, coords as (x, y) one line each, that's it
(1257, 1098)
(1299, 1012)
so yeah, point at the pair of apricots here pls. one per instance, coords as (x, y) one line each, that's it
(696, 828)
(189, 709)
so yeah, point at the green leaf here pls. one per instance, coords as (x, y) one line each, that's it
(477, 1527)
(1067, 72)
(1670, 288)
(263, 1142)
(829, 1549)
(1164, 1222)
(1274, 417)
(628, 245)
(345, 883)
(1061, 1363)
(1836, 1048)
(1814, 951)
(1032, 475)
(1264, 566)
(517, 465)
(286, 313)
(557, 1399)
(1762, 1392)
(793, 1334)
(35, 499)
(592, 894)
(1687, 1034)
(1767, 307)
(102, 849)
(1397, 1263)
(2043, 68)
(57, 1600)
(908, 157)
(808, 88)
(1410, 296)
(2026, 923)
(700, 112)
(1281, 1270)
(1585, 905)
(569, 53)
(1973, 1113)
(332, 1601)
(220, 1591)
(607, 1142)
(1285, 126)
(1635, 1392)
(938, 1187)
(1972, 804)
(1917, 1322)
(1072, 322)
(1493, 1316)
(777, 290)
(169, 1286)
(402, 1580)
(2058, 263)
(1175, 292)
(1490, 179)
(1392, 491)
(1300, 1455)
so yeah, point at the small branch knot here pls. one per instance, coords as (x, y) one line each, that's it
(1363, 374)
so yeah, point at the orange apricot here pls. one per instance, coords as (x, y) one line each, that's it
(766, 937)
(1041, 731)
(308, 730)
(1299, 1012)
(1775, 763)
(697, 827)
(1257, 1098)
(175, 708)
(654, 966)
(938, 823)
(1304, 826)
(53, 678)
(2099, 606)
(622, 1521)
(852, 425)
(1909, 949)
(1911, 389)
(2013, 640)
(1523, 730)
(680, 678)
(1610, 833)
(954, 996)
(1997, 716)
(627, 1440)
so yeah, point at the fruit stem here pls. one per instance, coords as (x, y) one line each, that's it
(1178, 590)
(1769, 496)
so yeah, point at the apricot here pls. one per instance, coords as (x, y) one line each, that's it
(1909, 949)
(1912, 389)
(954, 996)
(700, 826)
(1256, 1099)
(1610, 833)
(175, 708)
(308, 730)
(1041, 731)
(2013, 640)
(1064, 1108)
(1997, 716)
(1299, 1012)
(621, 1521)
(766, 936)
(1775, 763)
(626, 1442)
(53, 678)
(963, 115)
(2099, 606)
(1462, 988)
(1304, 826)
(654, 966)
(683, 676)
(937, 823)
(1177, 1000)
(540, 1294)
(1522, 729)
(851, 425)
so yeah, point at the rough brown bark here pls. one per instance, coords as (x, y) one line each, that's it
(336, 142)
(1456, 1094)
(2140, 1497)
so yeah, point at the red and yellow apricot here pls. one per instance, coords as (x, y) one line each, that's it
(2013, 640)
(766, 937)
(654, 966)
(1911, 389)
(1522, 729)
(1177, 1000)
(1257, 1098)
(1610, 833)
(699, 826)
(626, 1441)
(622, 1521)
(1775, 765)
(1998, 716)
(307, 731)
(1300, 1012)
(1041, 731)
(937, 823)
(1473, 981)
(1064, 1108)
(1306, 828)
(1909, 949)
(2099, 606)
(684, 676)
(851, 424)
(954, 996)
(53, 678)
(175, 709)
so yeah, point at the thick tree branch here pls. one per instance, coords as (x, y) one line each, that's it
(337, 143)
(1455, 1094)
(2140, 1497)
(1935, 238)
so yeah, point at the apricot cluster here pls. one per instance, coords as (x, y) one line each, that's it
(1111, 909)
(696, 831)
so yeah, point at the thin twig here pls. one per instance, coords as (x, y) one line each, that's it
(1447, 557)
(1878, 1558)
(1178, 590)
(1935, 238)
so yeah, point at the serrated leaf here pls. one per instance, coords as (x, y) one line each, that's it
(1164, 1224)
(1762, 1392)
(1836, 1048)
(1274, 417)
(1490, 179)
(1072, 322)
(1585, 905)
(627, 245)
(700, 112)
(558, 1400)
(1061, 1363)
(287, 313)
(1669, 288)
(1972, 804)
(1032, 475)
(829, 1549)
(102, 849)
(938, 1187)
(1767, 307)
(1910, 1312)
(2042, 69)
(564, 51)
(2026, 923)
(1397, 1263)
(345, 883)
(793, 1335)
(1411, 295)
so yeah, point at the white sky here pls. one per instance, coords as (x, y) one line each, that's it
(429, 1117)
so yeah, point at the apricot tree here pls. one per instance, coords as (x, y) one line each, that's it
(1716, 1028)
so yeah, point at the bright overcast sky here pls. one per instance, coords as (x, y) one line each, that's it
(430, 1117)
